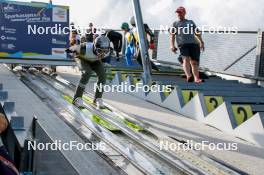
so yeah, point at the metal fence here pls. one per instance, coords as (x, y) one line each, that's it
(230, 53)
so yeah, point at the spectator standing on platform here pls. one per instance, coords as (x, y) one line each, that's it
(90, 32)
(75, 35)
(116, 38)
(150, 44)
(187, 44)
(75, 38)
(130, 43)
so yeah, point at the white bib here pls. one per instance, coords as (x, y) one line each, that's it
(87, 53)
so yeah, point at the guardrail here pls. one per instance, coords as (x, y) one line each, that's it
(235, 75)
(222, 51)
(33, 61)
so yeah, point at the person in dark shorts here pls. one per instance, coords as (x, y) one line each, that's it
(187, 44)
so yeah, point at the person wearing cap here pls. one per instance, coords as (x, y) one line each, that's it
(89, 57)
(189, 42)
(130, 43)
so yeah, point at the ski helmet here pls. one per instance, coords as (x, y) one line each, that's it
(102, 45)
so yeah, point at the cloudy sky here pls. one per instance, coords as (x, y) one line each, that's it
(244, 14)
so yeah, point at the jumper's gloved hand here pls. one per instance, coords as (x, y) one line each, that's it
(68, 50)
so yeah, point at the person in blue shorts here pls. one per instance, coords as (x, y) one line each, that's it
(130, 43)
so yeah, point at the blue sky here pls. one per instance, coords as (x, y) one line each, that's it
(244, 14)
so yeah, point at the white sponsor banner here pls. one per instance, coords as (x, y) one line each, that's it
(59, 52)
(59, 14)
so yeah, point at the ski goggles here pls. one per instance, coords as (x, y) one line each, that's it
(102, 51)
